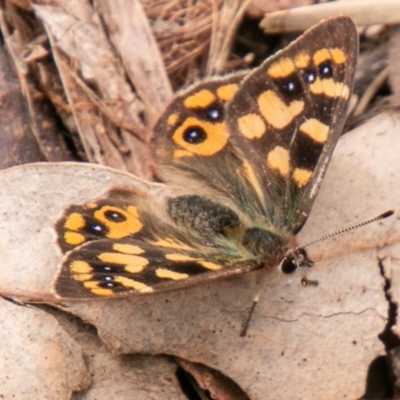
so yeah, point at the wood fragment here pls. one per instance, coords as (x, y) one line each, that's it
(363, 12)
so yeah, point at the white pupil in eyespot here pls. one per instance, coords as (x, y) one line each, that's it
(213, 114)
(310, 77)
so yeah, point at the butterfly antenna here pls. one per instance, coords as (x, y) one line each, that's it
(350, 228)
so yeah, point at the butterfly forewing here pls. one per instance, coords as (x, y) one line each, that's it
(289, 114)
(191, 143)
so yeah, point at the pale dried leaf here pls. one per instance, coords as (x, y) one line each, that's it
(128, 377)
(39, 192)
(328, 332)
(132, 377)
(38, 359)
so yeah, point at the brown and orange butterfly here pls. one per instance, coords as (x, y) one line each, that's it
(240, 160)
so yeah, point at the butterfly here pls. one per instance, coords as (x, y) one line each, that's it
(239, 161)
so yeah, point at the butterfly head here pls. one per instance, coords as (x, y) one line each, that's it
(297, 260)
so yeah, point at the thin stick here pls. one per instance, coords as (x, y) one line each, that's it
(247, 322)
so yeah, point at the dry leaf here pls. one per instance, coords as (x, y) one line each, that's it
(314, 342)
(39, 192)
(38, 359)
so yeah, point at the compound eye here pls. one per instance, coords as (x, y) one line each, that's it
(288, 265)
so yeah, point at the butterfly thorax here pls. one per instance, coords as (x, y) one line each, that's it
(266, 244)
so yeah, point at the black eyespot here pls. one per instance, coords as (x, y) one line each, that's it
(310, 76)
(114, 216)
(215, 113)
(194, 135)
(107, 281)
(288, 265)
(106, 272)
(290, 86)
(325, 69)
(96, 228)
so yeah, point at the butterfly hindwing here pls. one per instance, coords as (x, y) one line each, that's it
(134, 242)
(114, 216)
(107, 268)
